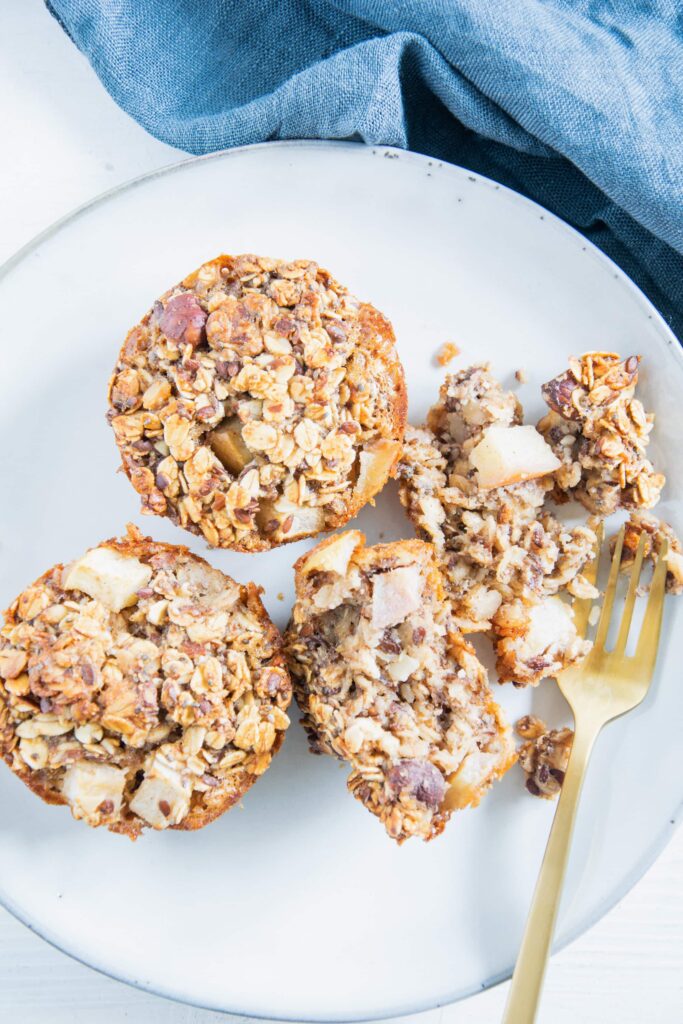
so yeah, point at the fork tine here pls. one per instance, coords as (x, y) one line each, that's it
(610, 592)
(627, 616)
(582, 605)
(648, 641)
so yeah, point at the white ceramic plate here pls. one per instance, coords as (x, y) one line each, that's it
(298, 906)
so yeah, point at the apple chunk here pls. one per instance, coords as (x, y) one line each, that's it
(375, 464)
(90, 787)
(395, 595)
(333, 555)
(509, 455)
(286, 521)
(227, 443)
(108, 576)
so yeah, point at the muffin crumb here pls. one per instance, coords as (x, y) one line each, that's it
(447, 353)
(544, 756)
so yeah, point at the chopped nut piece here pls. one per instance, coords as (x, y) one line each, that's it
(600, 432)
(122, 711)
(521, 376)
(183, 319)
(386, 682)
(257, 368)
(544, 756)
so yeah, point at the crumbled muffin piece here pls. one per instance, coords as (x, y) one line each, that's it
(544, 756)
(387, 683)
(447, 353)
(258, 402)
(534, 641)
(600, 432)
(495, 544)
(655, 531)
(141, 687)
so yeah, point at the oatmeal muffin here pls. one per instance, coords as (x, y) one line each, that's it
(387, 683)
(141, 687)
(474, 482)
(258, 402)
(599, 431)
(543, 756)
(654, 531)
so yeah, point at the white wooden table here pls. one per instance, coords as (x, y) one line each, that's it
(64, 142)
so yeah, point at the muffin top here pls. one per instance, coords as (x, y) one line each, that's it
(140, 686)
(258, 402)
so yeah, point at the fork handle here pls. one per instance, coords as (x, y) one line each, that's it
(527, 980)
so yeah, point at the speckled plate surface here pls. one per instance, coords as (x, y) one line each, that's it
(298, 906)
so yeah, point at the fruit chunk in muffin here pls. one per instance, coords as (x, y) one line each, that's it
(387, 683)
(141, 687)
(533, 641)
(258, 402)
(600, 432)
(502, 552)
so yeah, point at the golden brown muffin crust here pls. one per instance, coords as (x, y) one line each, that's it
(258, 402)
(179, 696)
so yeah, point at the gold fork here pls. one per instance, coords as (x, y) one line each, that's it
(604, 686)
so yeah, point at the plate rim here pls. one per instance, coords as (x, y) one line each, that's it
(662, 838)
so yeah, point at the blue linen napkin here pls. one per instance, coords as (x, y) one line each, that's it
(576, 103)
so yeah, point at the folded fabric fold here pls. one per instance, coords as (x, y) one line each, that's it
(576, 103)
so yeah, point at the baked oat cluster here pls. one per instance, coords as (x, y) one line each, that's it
(543, 756)
(141, 687)
(386, 682)
(258, 402)
(654, 531)
(474, 481)
(600, 431)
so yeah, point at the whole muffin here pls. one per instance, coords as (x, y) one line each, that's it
(141, 686)
(258, 402)
(387, 683)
